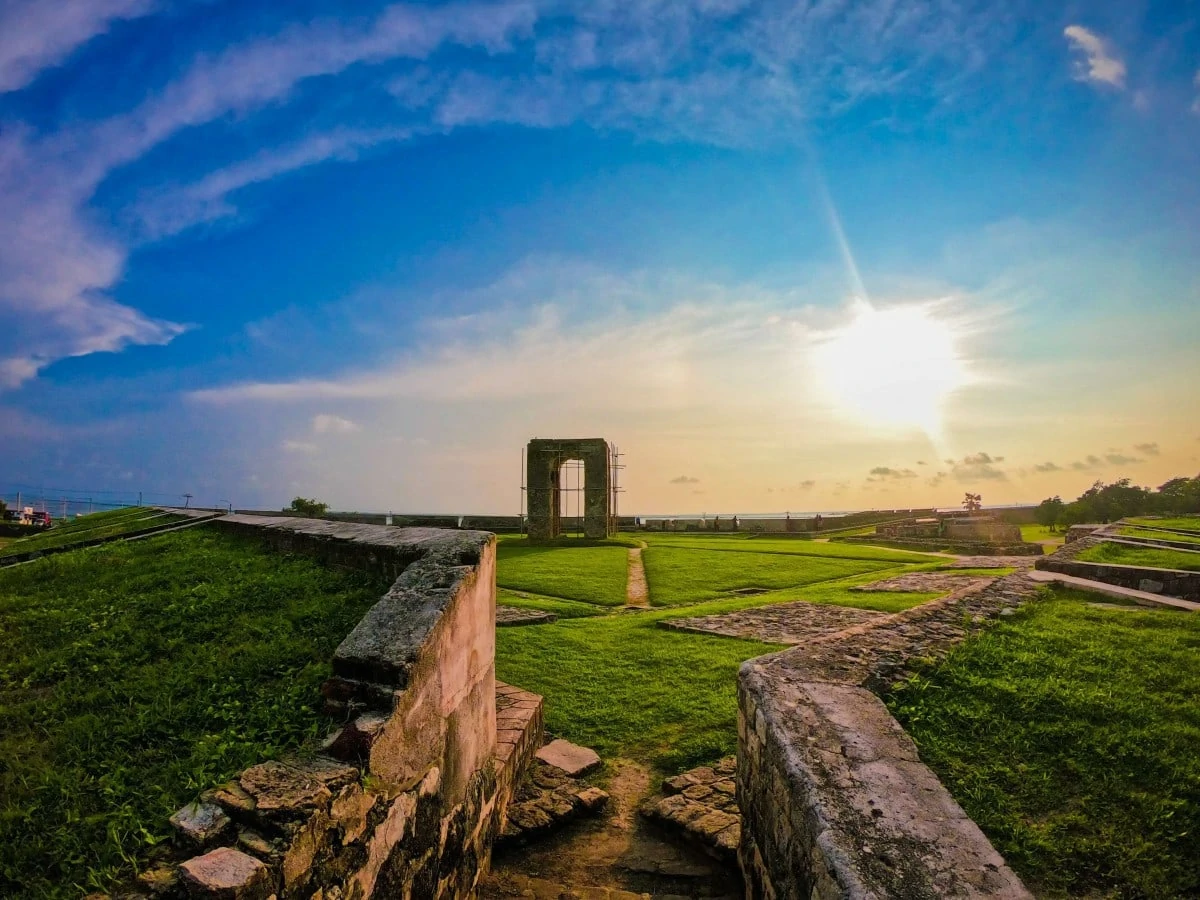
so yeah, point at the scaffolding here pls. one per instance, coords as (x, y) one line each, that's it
(570, 493)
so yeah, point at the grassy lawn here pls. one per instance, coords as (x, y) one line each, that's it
(1160, 535)
(132, 676)
(564, 609)
(1126, 555)
(96, 525)
(1040, 534)
(619, 683)
(623, 686)
(1069, 734)
(1183, 523)
(594, 574)
(682, 575)
(790, 546)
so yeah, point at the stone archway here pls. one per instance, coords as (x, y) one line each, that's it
(543, 461)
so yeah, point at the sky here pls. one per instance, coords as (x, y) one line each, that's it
(787, 256)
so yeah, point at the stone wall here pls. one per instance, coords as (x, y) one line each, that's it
(982, 528)
(1171, 582)
(836, 804)
(945, 545)
(407, 797)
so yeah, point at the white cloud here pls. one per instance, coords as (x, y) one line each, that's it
(37, 34)
(57, 264)
(172, 210)
(306, 447)
(1101, 63)
(324, 423)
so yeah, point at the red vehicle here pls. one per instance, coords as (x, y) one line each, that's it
(40, 519)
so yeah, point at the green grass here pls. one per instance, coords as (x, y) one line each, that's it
(90, 527)
(678, 575)
(1183, 523)
(1160, 535)
(1037, 534)
(1069, 734)
(594, 574)
(564, 609)
(623, 685)
(791, 546)
(1126, 555)
(629, 689)
(134, 675)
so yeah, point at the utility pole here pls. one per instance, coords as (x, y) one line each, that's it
(187, 498)
(139, 498)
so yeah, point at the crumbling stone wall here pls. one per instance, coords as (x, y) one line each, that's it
(407, 798)
(835, 803)
(543, 460)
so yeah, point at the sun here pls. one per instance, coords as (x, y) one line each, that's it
(893, 368)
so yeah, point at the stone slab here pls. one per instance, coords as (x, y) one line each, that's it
(201, 823)
(513, 615)
(226, 874)
(779, 623)
(922, 582)
(992, 562)
(570, 758)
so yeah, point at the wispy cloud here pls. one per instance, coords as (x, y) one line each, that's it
(325, 423)
(1149, 449)
(36, 34)
(887, 473)
(167, 211)
(58, 265)
(685, 479)
(976, 467)
(1100, 62)
(1121, 459)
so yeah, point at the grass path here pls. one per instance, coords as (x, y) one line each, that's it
(637, 594)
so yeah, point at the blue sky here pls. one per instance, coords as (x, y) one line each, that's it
(787, 255)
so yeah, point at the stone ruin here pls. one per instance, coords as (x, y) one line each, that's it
(968, 533)
(955, 527)
(544, 460)
(408, 798)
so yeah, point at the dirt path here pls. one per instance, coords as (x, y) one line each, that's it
(637, 593)
(617, 855)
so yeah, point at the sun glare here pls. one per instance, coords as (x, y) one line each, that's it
(893, 368)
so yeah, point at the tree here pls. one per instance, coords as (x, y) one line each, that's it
(1050, 512)
(1179, 495)
(312, 508)
(972, 502)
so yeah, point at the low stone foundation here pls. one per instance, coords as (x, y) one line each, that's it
(408, 797)
(946, 545)
(835, 802)
(1172, 582)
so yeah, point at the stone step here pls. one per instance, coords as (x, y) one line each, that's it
(532, 888)
(1143, 598)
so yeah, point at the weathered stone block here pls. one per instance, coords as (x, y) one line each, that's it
(226, 874)
(201, 823)
(572, 759)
